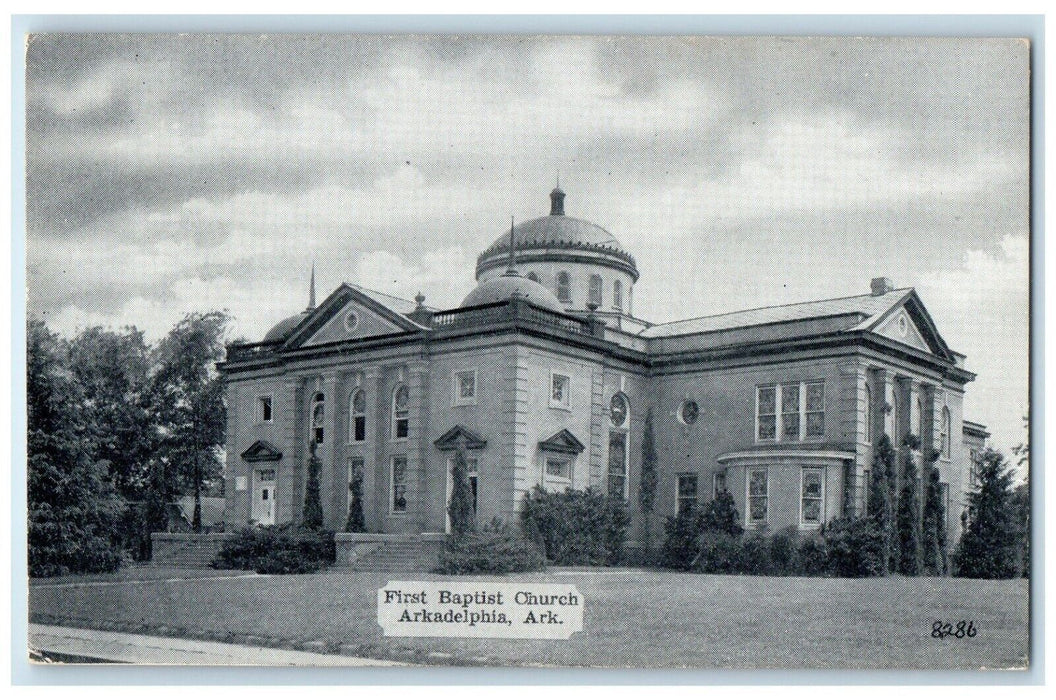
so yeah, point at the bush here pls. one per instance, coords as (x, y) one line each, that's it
(720, 515)
(278, 549)
(813, 556)
(784, 552)
(989, 546)
(498, 549)
(577, 527)
(755, 555)
(717, 553)
(682, 532)
(855, 547)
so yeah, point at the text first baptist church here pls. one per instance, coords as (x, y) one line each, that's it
(544, 376)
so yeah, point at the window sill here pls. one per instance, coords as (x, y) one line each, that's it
(464, 403)
(561, 407)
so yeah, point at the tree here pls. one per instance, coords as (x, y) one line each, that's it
(312, 515)
(988, 546)
(460, 509)
(933, 528)
(720, 515)
(189, 394)
(1021, 499)
(356, 522)
(73, 507)
(908, 518)
(880, 488)
(647, 485)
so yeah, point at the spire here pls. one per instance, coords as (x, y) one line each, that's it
(311, 290)
(511, 269)
(557, 200)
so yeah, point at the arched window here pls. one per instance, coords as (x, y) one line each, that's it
(533, 277)
(400, 412)
(357, 416)
(619, 418)
(944, 433)
(564, 287)
(617, 294)
(594, 293)
(318, 418)
(868, 414)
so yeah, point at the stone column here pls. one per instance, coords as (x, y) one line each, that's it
(518, 474)
(852, 416)
(375, 503)
(293, 440)
(330, 451)
(598, 433)
(423, 503)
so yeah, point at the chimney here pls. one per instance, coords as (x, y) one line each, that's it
(882, 285)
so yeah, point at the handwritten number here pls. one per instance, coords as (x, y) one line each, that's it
(964, 628)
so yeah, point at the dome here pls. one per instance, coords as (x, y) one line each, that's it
(282, 329)
(558, 235)
(503, 287)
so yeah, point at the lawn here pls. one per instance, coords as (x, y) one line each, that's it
(632, 618)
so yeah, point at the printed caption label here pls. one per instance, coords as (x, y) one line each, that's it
(480, 609)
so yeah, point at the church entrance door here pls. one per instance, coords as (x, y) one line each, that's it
(264, 497)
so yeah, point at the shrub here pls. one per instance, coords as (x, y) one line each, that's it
(717, 553)
(754, 555)
(784, 552)
(907, 522)
(680, 543)
(497, 549)
(813, 556)
(989, 545)
(855, 547)
(720, 515)
(312, 516)
(578, 527)
(356, 521)
(277, 549)
(460, 506)
(880, 494)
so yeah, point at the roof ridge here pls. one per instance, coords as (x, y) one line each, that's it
(775, 306)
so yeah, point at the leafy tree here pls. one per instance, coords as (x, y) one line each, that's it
(356, 522)
(1021, 499)
(933, 529)
(720, 515)
(908, 518)
(647, 486)
(312, 515)
(988, 546)
(189, 394)
(460, 509)
(880, 487)
(73, 506)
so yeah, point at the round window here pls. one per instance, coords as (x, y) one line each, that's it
(618, 410)
(351, 321)
(688, 412)
(903, 326)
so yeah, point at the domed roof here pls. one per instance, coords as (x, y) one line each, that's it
(282, 329)
(503, 287)
(558, 231)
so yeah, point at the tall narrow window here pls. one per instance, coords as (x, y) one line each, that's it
(766, 413)
(617, 295)
(718, 484)
(357, 411)
(400, 423)
(399, 484)
(812, 496)
(318, 418)
(618, 464)
(264, 408)
(757, 496)
(790, 412)
(815, 421)
(868, 414)
(594, 293)
(686, 499)
(564, 287)
(944, 433)
(471, 477)
(559, 389)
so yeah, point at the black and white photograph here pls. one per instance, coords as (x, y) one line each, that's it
(528, 350)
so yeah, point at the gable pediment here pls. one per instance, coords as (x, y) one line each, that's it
(563, 442)
(262, 451)
(460, 435)
(908, 322)
(901, 328)
(348, 314)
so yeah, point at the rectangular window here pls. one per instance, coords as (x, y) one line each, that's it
(812, 496)
(718, 484)
(464, 388)
(687, 493)
(594, 291)
(399, 484)
(757, 497)
(618, 464)
(790, 412)
(559, 468)
(766, 412)
(559, 389)
(359, 428)
(264, 414)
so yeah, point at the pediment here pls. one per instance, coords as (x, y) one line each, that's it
(901, 328)
(349, 314)
(262, 451)
(460, 435)
(920, 329)
(562, 441)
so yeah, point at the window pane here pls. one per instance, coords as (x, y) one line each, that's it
(767, 427)
(767, 400)
(399, 484)
(790, 426)
(401, 428)
(359, 402)
(559, 468)
(812, 484)
(559, 389)
(466, 385)
(815, 425)
(757, 485)
(811, 510)
(790, 398)
(757, 507)
(720, 483)
(687, 486)
(360, 429)
(816, 397)
(617, 410)
(401, 398)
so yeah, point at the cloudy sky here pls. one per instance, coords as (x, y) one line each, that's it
(175, 173)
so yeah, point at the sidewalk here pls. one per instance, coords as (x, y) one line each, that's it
(118, 647)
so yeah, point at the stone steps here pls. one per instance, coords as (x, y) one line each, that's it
(398, 556)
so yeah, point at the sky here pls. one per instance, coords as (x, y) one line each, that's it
(176, 173)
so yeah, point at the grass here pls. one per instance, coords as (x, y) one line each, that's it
(642, 619)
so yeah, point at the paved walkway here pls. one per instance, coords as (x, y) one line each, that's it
(119, 647)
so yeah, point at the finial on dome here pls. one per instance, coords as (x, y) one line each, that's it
(419, 299)
(511, 269)
(557, 200)
(311, 290)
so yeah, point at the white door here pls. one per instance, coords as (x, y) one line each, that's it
(471, 473)
(264, 497)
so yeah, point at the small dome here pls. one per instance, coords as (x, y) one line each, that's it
(282, 329)
(503, 287)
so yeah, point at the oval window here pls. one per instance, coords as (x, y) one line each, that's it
(903, 326)
(688, 412)
(351, 321)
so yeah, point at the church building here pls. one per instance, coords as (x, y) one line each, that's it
(544, 376)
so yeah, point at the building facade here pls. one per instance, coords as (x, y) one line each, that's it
(544, 377)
